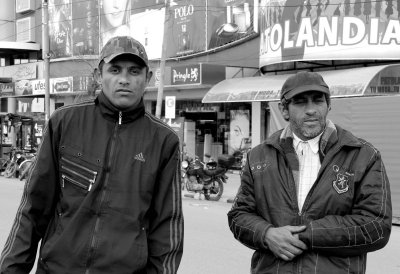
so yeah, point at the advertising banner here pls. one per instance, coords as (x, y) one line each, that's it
(114, 19)
(85, 25)
(60, 28)
(230, 20)
(186, 27)
(239, 130)
(299, 30)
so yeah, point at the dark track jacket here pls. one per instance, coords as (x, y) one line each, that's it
(347, 212)
(104, 196)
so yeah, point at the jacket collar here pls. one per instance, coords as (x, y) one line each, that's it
(332, 135)
(110, 112)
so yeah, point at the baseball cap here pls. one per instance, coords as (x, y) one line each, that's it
(301, 82)
(119, 45)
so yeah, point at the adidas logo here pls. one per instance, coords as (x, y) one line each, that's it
(140, 157)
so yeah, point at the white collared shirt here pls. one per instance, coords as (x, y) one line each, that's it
(309, 165)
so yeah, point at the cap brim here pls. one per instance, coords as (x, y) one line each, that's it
(301, 89)
(108, 59)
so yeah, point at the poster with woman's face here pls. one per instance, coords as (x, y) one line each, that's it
(114, 19)
(239, 130)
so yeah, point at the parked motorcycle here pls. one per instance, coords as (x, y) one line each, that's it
(17, 156)
(206, 178)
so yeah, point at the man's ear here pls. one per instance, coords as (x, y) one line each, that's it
(284, 111)
(97, 75)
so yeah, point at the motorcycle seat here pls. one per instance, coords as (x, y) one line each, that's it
(214, 172)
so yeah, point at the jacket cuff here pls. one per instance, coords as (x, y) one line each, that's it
(263, 240)
(306, 237)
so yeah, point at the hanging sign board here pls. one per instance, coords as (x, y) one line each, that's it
(170, 107)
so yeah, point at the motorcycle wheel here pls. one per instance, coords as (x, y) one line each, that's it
(215, 190)
(10, 169)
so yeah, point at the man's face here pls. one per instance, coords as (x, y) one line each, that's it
(124, 82)
(307, 113)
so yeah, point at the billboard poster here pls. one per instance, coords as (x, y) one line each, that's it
(230, 20)
(239, 130)
(147, 25)
(298, 30)
(114, 19)
(60, 28)
(85, 25)
(185, 33)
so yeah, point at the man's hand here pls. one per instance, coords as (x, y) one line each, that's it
(284, 241)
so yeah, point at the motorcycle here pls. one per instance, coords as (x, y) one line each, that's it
(206, 178)
(17, 156)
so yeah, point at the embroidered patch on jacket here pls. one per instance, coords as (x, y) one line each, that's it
(341, 184)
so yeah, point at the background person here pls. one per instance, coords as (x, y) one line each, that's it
(313, 197)
(104, 195)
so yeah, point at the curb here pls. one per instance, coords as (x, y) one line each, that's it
(190, 195)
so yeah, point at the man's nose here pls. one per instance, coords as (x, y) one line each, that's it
(311, 108)
(123, 79)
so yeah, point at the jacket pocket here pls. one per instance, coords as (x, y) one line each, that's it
(76, 175)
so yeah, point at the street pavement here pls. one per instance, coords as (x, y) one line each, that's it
(214, 238)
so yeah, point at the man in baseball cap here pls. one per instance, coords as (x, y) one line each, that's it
(307, 186)
(103, 195)
(116, 54)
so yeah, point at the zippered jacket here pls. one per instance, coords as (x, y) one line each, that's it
(104, 196)
(347, 212)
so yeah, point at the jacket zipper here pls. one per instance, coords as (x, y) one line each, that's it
(74, 182)
(91, 181)
(103, 195)
(80, 167)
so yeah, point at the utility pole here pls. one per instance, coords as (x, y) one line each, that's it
(46, 57)
(160, 90)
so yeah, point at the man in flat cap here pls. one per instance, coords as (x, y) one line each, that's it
(313, 197)
(104, 195)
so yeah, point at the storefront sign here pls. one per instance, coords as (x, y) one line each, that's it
(6, 89)
(61, 85)
(299, 30)
(387, 82)
(38, 86)
(186, 75)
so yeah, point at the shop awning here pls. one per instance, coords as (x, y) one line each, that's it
(343, 83)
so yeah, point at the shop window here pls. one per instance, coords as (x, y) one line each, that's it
(4, 105)
(58, 105)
